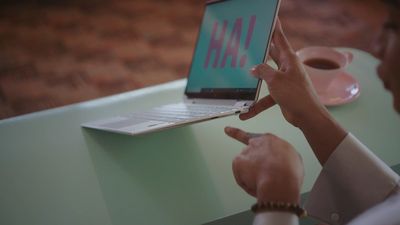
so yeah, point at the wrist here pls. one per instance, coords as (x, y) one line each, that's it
(287, 190)
(279, 195)
(323, 133)
(316, 116)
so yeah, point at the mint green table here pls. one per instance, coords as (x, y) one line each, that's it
(54, 172)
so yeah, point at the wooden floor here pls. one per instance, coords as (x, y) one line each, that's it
(58, 54)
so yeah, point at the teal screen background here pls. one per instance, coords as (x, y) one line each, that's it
(227, 76)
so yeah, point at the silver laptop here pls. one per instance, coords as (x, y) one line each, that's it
(234, 36)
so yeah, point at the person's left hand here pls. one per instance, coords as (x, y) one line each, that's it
(268, 168)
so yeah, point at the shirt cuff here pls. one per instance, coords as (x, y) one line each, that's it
(266, 218)
(351, 181)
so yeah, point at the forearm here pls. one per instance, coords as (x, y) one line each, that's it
(323, 133)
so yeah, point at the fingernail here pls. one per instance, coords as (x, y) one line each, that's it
(253, 71)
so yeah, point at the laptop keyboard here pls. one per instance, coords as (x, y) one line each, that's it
(181, 112)
(168, 114)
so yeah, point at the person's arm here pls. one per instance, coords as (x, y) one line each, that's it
(352, 180)
(344, 190)
(322, 132)
(290, 88)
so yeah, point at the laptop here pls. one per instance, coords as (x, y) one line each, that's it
(234, 36)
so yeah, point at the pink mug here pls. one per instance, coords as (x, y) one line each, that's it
(323, 65)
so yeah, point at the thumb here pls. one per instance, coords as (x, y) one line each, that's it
(264, 71)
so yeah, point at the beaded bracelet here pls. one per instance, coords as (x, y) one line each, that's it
(279, 206)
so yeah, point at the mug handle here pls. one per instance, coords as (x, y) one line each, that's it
(349, 56)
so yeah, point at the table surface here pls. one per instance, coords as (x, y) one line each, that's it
(54, 172)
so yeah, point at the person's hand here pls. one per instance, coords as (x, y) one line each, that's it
(289, 85)
(268, 168)
(290, 88)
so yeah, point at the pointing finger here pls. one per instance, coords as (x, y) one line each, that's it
(238, 134)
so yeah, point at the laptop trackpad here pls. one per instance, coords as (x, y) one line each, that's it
(133, 124)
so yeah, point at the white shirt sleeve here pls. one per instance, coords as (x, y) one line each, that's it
(386, 213)
(352, 180)
(274, 218)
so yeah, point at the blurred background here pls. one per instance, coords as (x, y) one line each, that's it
(59, 52)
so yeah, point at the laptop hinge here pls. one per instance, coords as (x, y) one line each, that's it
(227, 102)
(241, 104)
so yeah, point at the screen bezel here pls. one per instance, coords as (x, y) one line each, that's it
(235, 93)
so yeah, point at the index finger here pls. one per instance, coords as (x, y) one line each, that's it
(238, 134)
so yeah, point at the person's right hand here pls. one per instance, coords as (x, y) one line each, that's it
(268, 168)
(289, 85)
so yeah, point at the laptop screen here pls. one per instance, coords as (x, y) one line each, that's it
(233, 37)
